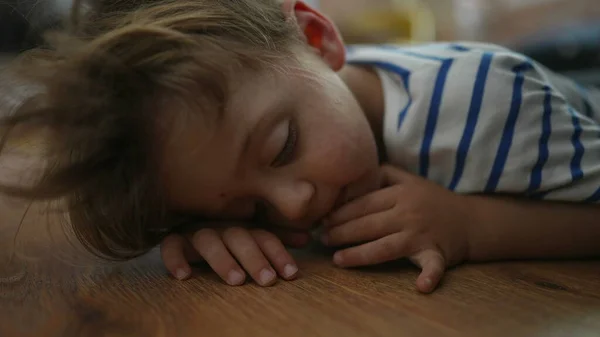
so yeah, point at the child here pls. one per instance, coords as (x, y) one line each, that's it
(229, 113)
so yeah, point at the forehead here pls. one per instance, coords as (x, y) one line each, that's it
(248, 94)
(251, 94)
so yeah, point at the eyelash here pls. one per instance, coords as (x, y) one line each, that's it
(287, 153)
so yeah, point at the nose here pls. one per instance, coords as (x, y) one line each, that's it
(291, 198)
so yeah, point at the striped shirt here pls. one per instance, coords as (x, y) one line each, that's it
(479, 118)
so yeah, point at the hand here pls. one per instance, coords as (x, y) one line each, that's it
(409, 217)
(259, 252)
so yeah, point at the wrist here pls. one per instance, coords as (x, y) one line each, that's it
(472, 226)
(459, 229)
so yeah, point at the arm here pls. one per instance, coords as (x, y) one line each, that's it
(503, 228)
(410, 217)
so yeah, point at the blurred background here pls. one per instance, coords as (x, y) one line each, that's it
(499, 21)
(562, 34)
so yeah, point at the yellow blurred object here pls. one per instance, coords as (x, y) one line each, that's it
(407, 21)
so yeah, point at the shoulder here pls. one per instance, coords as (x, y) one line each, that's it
(460, 60)
(427, 53)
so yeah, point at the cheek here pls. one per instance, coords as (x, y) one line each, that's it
(342, 151)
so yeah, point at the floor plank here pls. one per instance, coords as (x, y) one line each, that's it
(46, 297)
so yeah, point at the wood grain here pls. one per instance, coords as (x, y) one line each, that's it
(42, 296)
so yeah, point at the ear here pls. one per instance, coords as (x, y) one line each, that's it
(319, 32)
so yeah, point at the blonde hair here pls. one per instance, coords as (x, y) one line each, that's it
(101, 77)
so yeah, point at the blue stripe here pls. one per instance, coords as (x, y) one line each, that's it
(434, 111)
(576, 172)
(594, 197)
(586, 100)
(472, 117)
(403, 73)
(458, 47)
(509, 127)
(535, 180)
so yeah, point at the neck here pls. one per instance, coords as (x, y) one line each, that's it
(366, 86)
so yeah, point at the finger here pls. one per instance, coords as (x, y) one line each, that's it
(433, 265)
(367, 228)
(189, 252)
(251, 257)
(392, 175)
(172, 251)
(386, 249)
(210, 245)
(275, 252)
(375, 202)
(294, 239)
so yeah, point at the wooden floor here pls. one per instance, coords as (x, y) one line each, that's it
(47, 291)
(40, 296)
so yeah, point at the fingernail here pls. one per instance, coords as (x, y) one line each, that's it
(337, 258)
(290, 270)
(181, 274)
(235, 278)
(428, 282)
(266, 276)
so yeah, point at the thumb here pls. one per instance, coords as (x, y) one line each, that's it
(432, 265)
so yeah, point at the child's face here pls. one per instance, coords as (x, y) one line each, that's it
(296, 142)
(299, 143)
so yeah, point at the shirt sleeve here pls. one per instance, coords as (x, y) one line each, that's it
(493, 121)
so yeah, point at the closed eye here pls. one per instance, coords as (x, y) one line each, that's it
(286, 154)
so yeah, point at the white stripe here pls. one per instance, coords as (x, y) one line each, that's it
(594, 100)
(373, 54)
(396, 98)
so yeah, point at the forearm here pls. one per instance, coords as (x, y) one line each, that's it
(503, 228)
